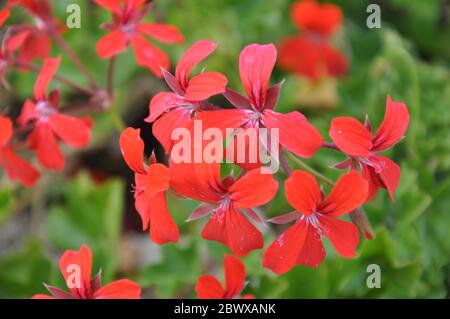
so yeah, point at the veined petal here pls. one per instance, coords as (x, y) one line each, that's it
(112, 44)
(45, 76)
(150, 56)
(205, 85)
(73, 131)
(161, 103)
(208, 287)
(253, 189)
(164, 126)
(350, 136)
(162, 32)
(343, 235)
(119, 289)
(224, 119)
(83, 260)
(132, 148)
(393, 127)
(234, 276)
(162, 227)
(349, 193)
(6, 129)
(296, 133)
(302, 192)
(313, 252)
(389, 173)
(194, 55)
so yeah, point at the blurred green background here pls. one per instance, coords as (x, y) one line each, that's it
(407, 58)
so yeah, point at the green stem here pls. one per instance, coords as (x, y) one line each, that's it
(310, 169)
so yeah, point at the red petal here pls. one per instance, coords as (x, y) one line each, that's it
(71, 130)
(253, 189)
(343, 235)
(132, 148)
(17, 168)
(45, 76)
(157, 179)
(312, 253)
(167, 123)
(162, 32)
(119, 289)
(6, 129)
(320, 18)
(295, 132)
(37, 44)
(162, 103)
(197, 181)
(44, 142)
(28, 113)
(373, 180)
(162, 227)
(81, 258)
(393, 127)
(302, 192)
(208, 287)
(350, 136)
(194, 55)
(4, 15)
(234, 276)
(232, 229)
(389, 173)
(284, 252)
(349, 193)
(205, 85)
(112, 44)
(41, 296)
(111, 5)
(224, 119)
(335, 62)
(150, 56)
(256, 63)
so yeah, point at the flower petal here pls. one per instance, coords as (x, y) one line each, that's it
(4, 15)
(43, 141)
(132, 148)
(162, 227)
(253, 189)
(162, 103)
(80, 258)
(389, 173)
(393, 127)
(315, 17)
(162, 32)
(157, 179)
(349, 193)
(194, 55)
(224, 119)
(343, 235)
(335, 62)
(296, 133)
(45, 76)
(350, 136)
(6, 130)
(313, 252)
(119, 289)
(150, 56)
(302, 192)
(73, 131)
(17, 168)
(112, 44)
(205, 85)
(234, 276)
(208, 287)
(164, 126)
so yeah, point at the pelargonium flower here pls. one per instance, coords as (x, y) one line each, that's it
(357, 141)
(209, 287)
(127, 28)
(312, 53)
(49, 123)
(150, 190)
(171, 110)
(16, 168)
(4, 15)
(226, 200)
(315, 217)
(84, 287)
(256, 63)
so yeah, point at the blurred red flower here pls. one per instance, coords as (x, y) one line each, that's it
(209, 287)
(314, 216)
(127, 28)
(88, 288)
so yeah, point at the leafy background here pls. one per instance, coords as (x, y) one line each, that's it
(408, 58)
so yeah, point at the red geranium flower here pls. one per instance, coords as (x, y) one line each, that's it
(15, 167)
(170, 110)
(357, 141)
(256, 63)
(311, 53)
(208, 287)
(301, 244)
(127, 28)
(226, 200)
(49, 124)
(4, 15)
(150, 190)
(85, 287)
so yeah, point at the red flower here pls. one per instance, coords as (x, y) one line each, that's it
(301, 244)
(85, 287)
(151, 184)
(49, 124)
(170, 110)
(127, 28)
(226, 200)
(357, 141)
(312, 54)
(4, 15)
(15, 167)
(208, 287)
(256, 63)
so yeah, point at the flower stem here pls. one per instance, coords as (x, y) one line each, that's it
(311, 170)
(284, 164)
